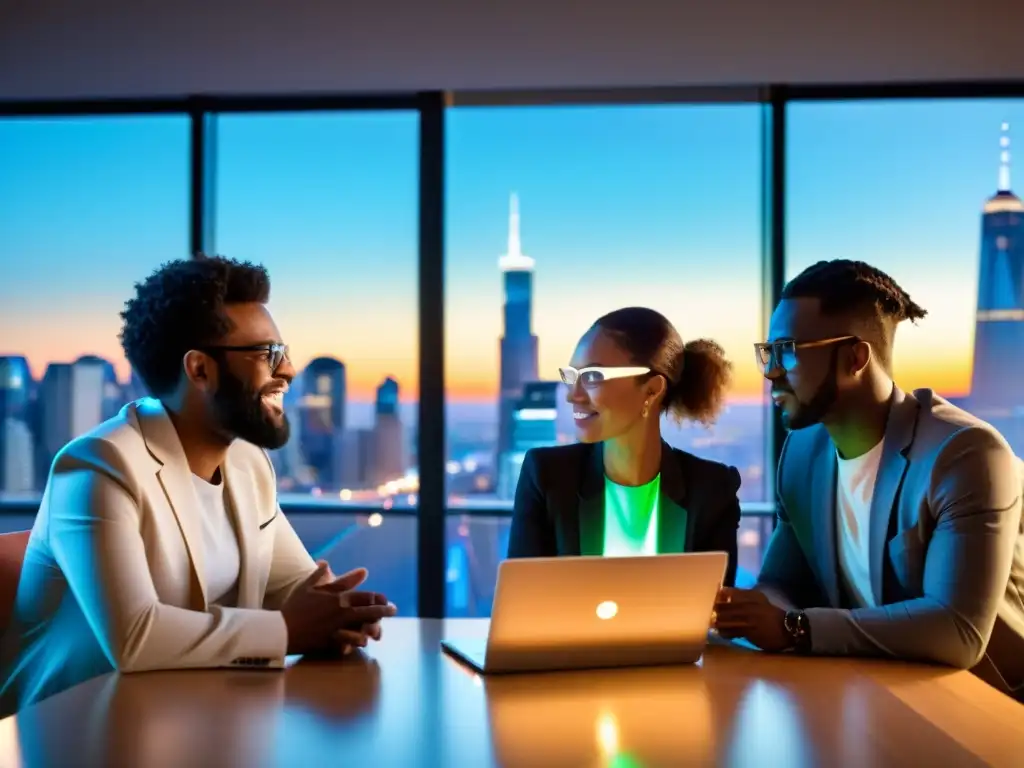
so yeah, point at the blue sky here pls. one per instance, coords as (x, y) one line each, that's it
(901, 185)
(657, 205)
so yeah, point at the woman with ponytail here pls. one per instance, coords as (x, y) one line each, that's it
(622, 490)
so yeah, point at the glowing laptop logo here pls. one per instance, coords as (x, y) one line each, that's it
(607, 609)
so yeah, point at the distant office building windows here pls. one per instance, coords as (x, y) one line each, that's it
(534, 425)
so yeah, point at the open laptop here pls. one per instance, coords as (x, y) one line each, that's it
(580, 612)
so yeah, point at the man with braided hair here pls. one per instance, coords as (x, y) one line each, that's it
(899, 525)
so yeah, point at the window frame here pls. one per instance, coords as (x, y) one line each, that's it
(431, 510)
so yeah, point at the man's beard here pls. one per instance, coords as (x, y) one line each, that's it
(812, 412)
(239, 412)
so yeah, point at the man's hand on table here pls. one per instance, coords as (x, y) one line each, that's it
(325, 613)
(748, 613)
(357, 634)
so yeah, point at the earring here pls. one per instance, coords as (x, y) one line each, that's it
(647, 406)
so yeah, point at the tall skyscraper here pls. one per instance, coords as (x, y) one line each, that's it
(15, 383)
(997, 381)
(112, 396)
(17, 445)
(534, 425)
(71, 397)
(323, 419)
(357, 458)
(89, 380)
(292, 471)
(17, 457)
(386, 403)
(388, 449)
(518, 346)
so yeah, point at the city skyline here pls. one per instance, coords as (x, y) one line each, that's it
(882, 184)
(650, 205)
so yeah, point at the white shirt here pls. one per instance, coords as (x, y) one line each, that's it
(855, 487)
(220, 544)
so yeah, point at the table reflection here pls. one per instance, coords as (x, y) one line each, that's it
(617, 718)
(403, 703)
(734, 708)
(359, 677)
(786, 710)
(195, 718)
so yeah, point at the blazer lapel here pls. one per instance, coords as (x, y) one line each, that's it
(823, 509)
(899, 434)
(675, 528)
(176, 479)
(591, 504)
(242, 508)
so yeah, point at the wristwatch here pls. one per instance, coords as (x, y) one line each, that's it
(799, 630)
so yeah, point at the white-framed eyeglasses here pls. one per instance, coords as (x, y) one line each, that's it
(593, 375)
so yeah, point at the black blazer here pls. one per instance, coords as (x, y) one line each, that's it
(559, 506)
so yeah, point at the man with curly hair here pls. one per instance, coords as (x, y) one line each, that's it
(159, 543)
(899, 526)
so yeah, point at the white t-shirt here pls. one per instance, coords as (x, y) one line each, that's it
(221, 558)
(855, 487)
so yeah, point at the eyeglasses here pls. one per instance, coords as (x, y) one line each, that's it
(781, 354)
(593, 375)
(276, 353)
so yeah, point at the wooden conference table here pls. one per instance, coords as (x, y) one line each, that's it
(404, 703)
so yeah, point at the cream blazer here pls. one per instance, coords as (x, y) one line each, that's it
(113, 573)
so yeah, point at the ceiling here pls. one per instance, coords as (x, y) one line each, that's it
(123, 48)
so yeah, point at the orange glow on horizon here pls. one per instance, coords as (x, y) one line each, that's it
(949, 375)
(947, 372)
(937, 355)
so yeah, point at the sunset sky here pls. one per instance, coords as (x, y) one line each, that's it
(657, 206)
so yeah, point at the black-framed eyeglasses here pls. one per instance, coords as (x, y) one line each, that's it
(781, 354)
(276, 353)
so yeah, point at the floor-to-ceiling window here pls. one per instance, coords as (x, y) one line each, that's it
(581, 209)
(924, 190)
(329, 203)
(88, 206)
(555, 216)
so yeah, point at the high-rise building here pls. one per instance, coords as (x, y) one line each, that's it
(292, 471)
(15, 384)
(323, 419)
(54, 414)
(388, 445)
(89, 391)
(997, 381)
(534, 425)
(17, 459)
(518, 346)
(112, 395)
(357, 458)
(71, 399)
(17, 446)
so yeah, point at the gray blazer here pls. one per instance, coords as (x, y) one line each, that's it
(946, 540)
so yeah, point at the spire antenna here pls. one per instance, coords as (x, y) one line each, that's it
(514, 260)
(515, 247)
(1004, 158)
